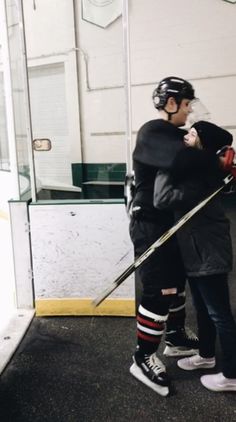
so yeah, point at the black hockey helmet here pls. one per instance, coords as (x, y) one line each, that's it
(172, 87)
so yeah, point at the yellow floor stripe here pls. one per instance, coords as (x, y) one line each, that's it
(76, 307)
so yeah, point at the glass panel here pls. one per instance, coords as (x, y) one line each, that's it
(7, 285)
(72, 93)
(49, 120)
(4, 151)
(19, 95)
(103, 100)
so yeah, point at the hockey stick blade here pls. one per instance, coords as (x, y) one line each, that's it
(169, 233)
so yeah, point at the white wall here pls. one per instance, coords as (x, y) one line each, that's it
(196, 42)
(49, 26)
(101, 90)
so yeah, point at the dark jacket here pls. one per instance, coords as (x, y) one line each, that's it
(158, 142)
(204, 241)
(158, 146)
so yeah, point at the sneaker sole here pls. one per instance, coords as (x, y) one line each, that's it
(201, 366)
(174, 351)
(138, 374)
(219, 389)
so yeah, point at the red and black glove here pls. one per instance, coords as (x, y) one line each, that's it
(227, 159)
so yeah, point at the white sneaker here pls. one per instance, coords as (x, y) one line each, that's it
(218, 382)
(196, 362)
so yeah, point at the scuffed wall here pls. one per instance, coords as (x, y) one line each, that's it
(79, 249)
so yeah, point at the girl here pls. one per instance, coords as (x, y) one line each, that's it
(206, 249)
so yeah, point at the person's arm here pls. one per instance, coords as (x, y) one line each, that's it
(168, 196)
(193, 163)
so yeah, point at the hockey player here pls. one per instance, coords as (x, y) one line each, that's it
(163, 274)
(206, 248)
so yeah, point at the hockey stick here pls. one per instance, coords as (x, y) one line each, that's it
(116, 283)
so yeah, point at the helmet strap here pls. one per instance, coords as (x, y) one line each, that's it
(173, 112)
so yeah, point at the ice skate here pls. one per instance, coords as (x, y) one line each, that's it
(181, 343)
(151, 371)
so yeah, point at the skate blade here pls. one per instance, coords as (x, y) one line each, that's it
(137, 373)
(174, 351)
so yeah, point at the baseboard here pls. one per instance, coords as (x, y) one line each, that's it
(76, 307)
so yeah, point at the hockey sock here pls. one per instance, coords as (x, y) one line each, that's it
(150, 327)
(177, 313)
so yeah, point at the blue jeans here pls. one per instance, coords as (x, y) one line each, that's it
(214, 316)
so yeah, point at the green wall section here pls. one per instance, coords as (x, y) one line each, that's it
(77, 174)
(100, 180)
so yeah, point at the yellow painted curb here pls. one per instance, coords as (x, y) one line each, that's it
(76, 307)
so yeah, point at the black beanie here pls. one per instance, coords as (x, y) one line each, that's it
(212, 137)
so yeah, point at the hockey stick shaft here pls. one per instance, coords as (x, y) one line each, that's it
(169, 233)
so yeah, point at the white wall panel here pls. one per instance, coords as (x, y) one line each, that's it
(79, 249)
(195, 40)
(49, 26)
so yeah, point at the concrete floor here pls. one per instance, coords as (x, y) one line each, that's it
(76, 369)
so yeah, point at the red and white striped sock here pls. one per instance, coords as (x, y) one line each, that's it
(150, 327)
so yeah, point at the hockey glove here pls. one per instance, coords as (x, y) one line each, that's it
(227, 159)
